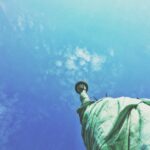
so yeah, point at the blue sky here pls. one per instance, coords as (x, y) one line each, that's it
(46, 46)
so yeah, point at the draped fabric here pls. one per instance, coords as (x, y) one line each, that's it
(116, 124)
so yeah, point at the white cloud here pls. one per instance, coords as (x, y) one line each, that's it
(73, 57)
(82, 63)
(97, 62)
(83, 53)
(81, 59)
(70, 64)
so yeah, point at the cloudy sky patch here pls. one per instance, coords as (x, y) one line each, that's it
(83, 54)
(70, 64)
(96, 62)
(82, 59)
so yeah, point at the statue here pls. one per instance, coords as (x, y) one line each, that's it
(114, 123)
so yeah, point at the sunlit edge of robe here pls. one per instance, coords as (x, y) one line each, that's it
(115, 123)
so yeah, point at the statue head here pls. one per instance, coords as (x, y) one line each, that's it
(80, 86)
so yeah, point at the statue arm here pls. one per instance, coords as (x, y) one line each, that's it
(84, 97)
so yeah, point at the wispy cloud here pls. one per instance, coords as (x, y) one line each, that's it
(70, 64)
(82, 59)
(83, 54)
(97, 62)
